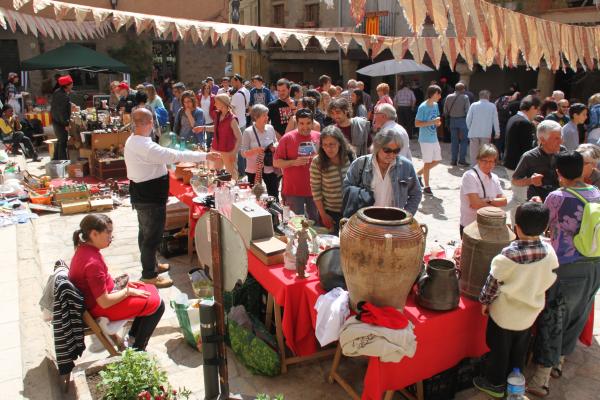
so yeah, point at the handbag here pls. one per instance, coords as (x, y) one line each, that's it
(357, 197)
(268, 157)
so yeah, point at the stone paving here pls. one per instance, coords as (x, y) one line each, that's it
(29, 252)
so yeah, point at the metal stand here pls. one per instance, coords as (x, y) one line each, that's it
(210, 365)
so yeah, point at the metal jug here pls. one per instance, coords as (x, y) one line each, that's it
(438, 286)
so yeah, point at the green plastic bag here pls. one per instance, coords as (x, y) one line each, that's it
(183, 312)
(253, 352)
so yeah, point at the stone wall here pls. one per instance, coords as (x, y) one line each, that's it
(195, 62)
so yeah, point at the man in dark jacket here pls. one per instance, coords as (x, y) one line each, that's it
(127, 98)
(520, 132)
(61, 116)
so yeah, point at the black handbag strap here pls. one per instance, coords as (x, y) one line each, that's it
(480, 181)
(256, 136)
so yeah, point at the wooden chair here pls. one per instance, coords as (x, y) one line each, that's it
(93, 329)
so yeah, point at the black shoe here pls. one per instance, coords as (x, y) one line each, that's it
(486, 387)
(428, 191)
(453, 163)
(464, 164)
(35, 158)
(420, 178)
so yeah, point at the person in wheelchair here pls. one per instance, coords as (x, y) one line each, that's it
(10, 128)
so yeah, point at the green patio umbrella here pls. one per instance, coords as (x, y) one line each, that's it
(74, 56)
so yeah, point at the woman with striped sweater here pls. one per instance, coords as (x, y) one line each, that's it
(327, 172)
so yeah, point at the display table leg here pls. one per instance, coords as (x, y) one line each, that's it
(190, 235)
(335, 377)
(279, 335)
(420, 393)
(285, 361)
(269, 313)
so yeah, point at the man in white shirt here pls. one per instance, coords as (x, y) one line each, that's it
(149, 188)
(385, 119)
(482, 123)
(240, 100)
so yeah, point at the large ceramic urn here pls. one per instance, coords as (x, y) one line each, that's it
(482, 240)
(381, 252)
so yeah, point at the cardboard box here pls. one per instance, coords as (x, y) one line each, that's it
(78, 169)
(269, 251)
(178, 214)
(69, 197)
(101, 204)
(252, 221)
(75, 207)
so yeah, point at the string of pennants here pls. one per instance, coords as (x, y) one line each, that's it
(486, 34)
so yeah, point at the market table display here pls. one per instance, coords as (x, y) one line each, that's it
(186, 194)
(287, 290)
(44, 117)
(443, 340)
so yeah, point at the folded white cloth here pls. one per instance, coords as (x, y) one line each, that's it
(390, 345)
(332, 311)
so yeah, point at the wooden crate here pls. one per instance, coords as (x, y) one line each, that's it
(104, 169)
(71, 196)
(103, 141)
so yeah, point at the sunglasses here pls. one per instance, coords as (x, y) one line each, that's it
(387, 150)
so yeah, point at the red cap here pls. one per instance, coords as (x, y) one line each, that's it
(123, 85)
(65, 80)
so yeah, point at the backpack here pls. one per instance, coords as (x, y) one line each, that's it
(162, 115)
(587, 240)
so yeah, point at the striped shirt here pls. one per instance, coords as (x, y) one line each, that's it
(326, 185)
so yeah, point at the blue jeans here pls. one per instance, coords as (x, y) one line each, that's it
(459, 136)
(568, 305)
(298, 204)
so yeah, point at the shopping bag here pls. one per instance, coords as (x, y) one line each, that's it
(188, 315)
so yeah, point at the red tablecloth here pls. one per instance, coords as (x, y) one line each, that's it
(186, 194)
(443, 340)
(288, 291)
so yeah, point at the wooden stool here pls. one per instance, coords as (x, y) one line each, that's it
(334, 377)
(285, 361)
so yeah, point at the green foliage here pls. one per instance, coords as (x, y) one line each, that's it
(137, 54)
(137, 374)
(262, 396)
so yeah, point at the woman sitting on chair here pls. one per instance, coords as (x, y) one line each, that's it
(89, 273)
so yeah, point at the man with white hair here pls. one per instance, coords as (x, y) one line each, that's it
(558, 95)
(536, 168)
(482, 123)
(351, 85)
(384, 119)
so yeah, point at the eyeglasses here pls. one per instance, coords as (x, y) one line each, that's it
(387, 150)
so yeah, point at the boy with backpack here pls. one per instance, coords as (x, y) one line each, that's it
(514, 296)
(575, 234)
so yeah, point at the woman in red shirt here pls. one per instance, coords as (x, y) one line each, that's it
(89, 273)
(227, 137)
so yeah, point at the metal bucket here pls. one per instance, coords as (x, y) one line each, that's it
(482, 241)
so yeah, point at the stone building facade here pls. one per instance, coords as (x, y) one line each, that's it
(191, 63)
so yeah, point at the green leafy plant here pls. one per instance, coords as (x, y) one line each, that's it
(137, 376)
(262, 396)
(137, 55)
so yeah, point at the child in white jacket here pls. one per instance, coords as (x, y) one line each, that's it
(514, 295)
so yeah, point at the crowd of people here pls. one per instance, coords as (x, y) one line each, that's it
(328, 151)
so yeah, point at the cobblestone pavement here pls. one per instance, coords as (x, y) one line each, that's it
(25, 370)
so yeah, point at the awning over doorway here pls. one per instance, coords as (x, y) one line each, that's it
(74, 56)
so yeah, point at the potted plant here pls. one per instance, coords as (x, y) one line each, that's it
(133, 375)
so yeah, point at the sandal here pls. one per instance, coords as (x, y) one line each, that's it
(557, 371)
(538, 391)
